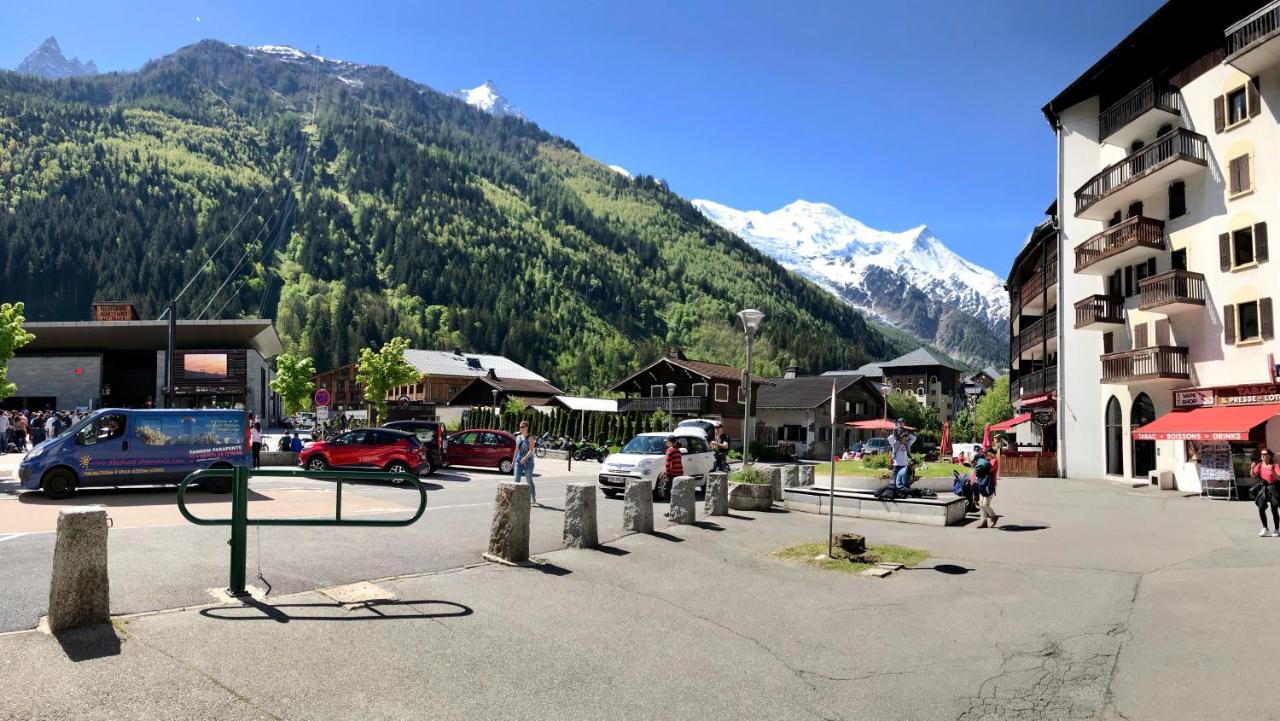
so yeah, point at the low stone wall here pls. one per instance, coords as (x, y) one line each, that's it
(946, 510)
(278, 458)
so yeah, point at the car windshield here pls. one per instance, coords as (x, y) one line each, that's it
(646, 445)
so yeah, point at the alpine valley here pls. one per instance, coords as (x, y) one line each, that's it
(909, 280)
(395, 210)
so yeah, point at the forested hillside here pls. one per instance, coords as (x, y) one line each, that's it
(414, 215)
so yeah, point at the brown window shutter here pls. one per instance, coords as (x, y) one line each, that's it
(1163, 336)
(1140, 336)
(1108, 342)
(1229, 324)
(1236, 175)
(1219, 113)
(1265, 320)
(1260, 242)
(1224, 251)
(1255, 102)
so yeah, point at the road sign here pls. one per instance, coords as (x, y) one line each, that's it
(322, 414)
(322, 397)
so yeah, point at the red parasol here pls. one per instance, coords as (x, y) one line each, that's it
(986, 437)
(944, 448)
(875, 425)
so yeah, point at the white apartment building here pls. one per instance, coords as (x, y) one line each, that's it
(1168, 175)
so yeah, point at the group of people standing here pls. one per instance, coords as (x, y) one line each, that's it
(21, 430)
(982, 481)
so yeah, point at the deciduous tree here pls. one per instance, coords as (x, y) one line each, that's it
(293, 382)
(382, 370)
(12, 337)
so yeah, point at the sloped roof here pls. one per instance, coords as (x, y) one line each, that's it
(579, 403)
(466, 365)
(804, 392)
(710, 371)
(870, 370)
(518, 386)
(917, 357)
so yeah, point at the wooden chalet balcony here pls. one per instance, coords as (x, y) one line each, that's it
(678, 404)
(1042, 381)
(1146, 107)
(1099, 311)
(1172, 292)
(1144, 364)
(1248, 42)
(1139, 175)
(1038, 334)
(1132, 240)
(1031, 295)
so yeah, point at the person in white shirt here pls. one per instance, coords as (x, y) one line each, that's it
(900, 442)
(51, 426)
(255, 441)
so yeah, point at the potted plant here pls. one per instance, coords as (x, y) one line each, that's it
(750, 490)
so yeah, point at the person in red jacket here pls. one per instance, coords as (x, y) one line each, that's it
(674, 461)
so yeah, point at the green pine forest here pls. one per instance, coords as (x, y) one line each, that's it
(410, 214)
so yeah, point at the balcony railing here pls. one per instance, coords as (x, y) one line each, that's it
(1044, 380)
(1034, 287)
(678, 404)
(1177, 144)
(1150, 95)
(1146, 364)
(1254, 28)
(1037, 333)
(1176, 286)
(1138, 231)
(1099, 309)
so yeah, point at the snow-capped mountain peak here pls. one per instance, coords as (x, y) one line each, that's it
(47, 61)
(874, 270)
(486, 97)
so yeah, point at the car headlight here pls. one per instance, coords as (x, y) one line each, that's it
(33, 453)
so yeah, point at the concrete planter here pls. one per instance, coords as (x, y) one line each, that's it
(750, 497)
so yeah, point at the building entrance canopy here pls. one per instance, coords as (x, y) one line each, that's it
(1213, 423)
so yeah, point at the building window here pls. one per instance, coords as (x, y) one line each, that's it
(1237, 107)
(1178, 259)
(700, 390)
(1135, 209)
(1113, 422)
(1239, 176)
(1241, 247)
(722, 392)
(1248, 322)
(1177, 199)
(859, 408)
(655, 391)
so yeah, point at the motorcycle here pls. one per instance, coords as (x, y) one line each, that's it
(585, 450)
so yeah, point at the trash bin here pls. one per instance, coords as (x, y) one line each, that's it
(1164, 479)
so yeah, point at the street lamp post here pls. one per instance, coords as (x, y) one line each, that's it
(495, 406)
(750, 324)
(671, 406)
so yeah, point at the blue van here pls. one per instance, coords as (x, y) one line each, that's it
(117, 447)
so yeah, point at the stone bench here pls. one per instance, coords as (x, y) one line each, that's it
(945, 510)
(278, 458)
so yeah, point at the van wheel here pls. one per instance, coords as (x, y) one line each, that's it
(397, 467)
(59, 484)
(219, 485)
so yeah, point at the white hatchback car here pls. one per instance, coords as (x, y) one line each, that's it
(644, 457)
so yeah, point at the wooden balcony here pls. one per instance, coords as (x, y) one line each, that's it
(1040, 382)
(1140, 113)
(1141, 174)
(1039, 338)
(1031, 295)
(1172, 292)
(1146, 364)
(1248, 42)
(678, 404)
(1135, 239)
(1097, 312)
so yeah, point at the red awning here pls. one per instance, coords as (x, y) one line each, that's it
(1213, 423)
(876, 425)
(1009, 424)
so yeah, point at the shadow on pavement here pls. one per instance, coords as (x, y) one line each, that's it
(275, 612)
(612, 551)
(1014, 528)
(708, 526)
(738, 517)
(550, 569)
(121, 496)
(948, 568)
(86, 644)
(667, 537)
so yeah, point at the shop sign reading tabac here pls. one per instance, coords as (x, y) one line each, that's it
(1242, 395)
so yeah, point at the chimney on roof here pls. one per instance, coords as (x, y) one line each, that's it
(676, 354)
(792, 372)
(493, 374)
(457, 350)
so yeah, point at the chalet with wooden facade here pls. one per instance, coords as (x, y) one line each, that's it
(702, 390)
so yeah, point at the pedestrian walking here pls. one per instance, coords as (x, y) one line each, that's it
(1267, 492)
(20, 432)
(674, 462)
(255, 442)
(525, 446)
(295, 445)
(900, 442)
(720, 445)
(986, 468)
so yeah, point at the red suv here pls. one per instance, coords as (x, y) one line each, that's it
(367, 449)
(483, 447)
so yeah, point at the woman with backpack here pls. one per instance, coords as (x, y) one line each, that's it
(1268, 493)
(985, 469)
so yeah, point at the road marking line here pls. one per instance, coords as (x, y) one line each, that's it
(11, 536)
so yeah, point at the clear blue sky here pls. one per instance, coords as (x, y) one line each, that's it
(898, 113)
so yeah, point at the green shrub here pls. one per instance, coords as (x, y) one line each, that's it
(877, 461)
(751, 475)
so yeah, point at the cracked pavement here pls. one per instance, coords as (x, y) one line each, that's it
(1098, 602)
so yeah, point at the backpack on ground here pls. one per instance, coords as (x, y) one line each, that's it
(889, 493)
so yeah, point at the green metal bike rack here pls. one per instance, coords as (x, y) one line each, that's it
(240, 520)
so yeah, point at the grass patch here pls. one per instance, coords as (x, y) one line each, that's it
(807, 554)
(855, 468)
(751, 475)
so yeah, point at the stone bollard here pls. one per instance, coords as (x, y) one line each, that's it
(806, 475)
(80, 591)
(509, 534)
(716, 502)
(637, 506)
(775, 482)
(683, 501)
(580, 515)
(790, 476)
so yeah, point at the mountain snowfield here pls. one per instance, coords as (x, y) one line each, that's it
(487, 97)
(47, 61)
(910, 279)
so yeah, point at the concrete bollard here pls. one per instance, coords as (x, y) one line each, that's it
(683, 501)
(509, 534)
(716, 502)
(580, 515)
(790, 476)
(637, 506)
(80, 591)
(775, 482)
(806, 475)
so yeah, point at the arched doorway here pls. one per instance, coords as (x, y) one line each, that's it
(1114, 423)
(1144, 452)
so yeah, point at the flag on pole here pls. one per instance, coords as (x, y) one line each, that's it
(833, 403)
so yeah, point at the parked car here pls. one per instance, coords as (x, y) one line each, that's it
(483, 447)
(116, 447)
(370, 449)
(875, 445)
(643, 457)
(434, 439)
